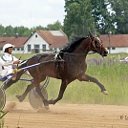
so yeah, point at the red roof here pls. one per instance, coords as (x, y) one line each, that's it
(56, 39)
(16, 41)
(120, 40)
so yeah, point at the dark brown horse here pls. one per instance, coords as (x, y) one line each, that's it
(73, 67)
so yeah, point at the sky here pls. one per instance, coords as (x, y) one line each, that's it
(31, 13)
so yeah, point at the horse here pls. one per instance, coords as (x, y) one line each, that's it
(72, 67)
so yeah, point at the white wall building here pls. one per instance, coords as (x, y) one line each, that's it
(39, 42)
(36, 44)
(115, 43)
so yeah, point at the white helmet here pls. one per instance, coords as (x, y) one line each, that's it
(7, 46)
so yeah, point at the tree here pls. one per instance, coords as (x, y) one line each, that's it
(99, 16)
(21, 31)
(102, 15)
(14, 31)
(55, 26)
(78, 20)
(120, 12)
(2, 30)
(9, 30)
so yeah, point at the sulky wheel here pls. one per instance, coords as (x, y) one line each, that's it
(2, 99)
(35, 100)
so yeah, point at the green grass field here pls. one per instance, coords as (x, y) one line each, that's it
(111, 73)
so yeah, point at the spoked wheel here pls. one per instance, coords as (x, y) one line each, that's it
(2, 99)
(35, 100)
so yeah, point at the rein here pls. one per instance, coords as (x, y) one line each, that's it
(36, 64)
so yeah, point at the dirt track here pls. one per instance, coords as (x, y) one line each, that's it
(68, 116)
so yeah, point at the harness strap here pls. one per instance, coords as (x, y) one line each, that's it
(6, 77)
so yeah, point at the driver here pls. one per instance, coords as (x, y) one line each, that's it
(8, 62)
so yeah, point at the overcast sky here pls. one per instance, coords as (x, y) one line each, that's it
(31, 13)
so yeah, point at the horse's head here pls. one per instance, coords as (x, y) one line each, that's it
(97, 45)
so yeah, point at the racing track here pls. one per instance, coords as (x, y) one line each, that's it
(68, 116)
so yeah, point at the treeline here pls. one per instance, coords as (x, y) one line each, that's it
(24, 31)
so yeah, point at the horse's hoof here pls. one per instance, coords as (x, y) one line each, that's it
(46, 104)
(43, 109)
(46, 107)
(51, 101)
(19, 98)
(105, 92)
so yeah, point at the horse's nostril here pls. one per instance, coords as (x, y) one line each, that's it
(105, 52)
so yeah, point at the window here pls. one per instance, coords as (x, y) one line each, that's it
(29, 47)
(36, 36)
(55, 49)
(18, 49)
(37, 48)
(113, 48)
(51, 49)
(22, 48)
(44, 47)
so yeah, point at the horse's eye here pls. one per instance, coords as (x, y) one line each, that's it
(97, 44)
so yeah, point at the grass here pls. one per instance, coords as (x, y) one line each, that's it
(1, 123)
(1, 119)
(110, 72)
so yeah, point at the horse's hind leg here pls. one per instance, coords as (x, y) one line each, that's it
(38, 89)
(22, 97)
(94, 80)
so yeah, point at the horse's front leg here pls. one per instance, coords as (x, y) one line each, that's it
(61, 92)
(88, 78)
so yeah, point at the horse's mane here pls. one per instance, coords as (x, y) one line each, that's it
(71, 46)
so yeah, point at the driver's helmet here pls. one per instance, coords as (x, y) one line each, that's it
(8, 45)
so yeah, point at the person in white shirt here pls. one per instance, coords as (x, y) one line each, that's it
(8, 62)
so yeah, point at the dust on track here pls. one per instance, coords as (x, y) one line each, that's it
(68, 116)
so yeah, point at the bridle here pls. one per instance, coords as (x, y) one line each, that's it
(100, 45)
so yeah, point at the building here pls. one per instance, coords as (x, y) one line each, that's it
(17, 41)
(46, 41)
(116, 43)
(49, 41)
(39, 42)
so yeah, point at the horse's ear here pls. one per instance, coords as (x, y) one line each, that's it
(90, 34)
